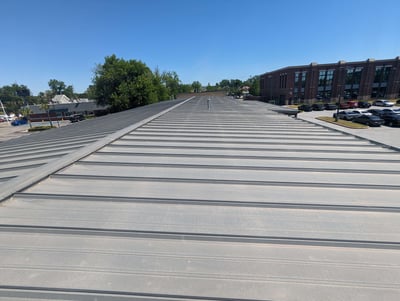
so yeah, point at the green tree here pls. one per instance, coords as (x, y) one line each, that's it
(91, 92)
(210, 88)
(59, 87)
(124, 84)
(254, 84)
(232, 86)
(69, 92)
(196, 86)
(162, 90)
(185, 88)
(144, 91)
(225, 84)
(235, 84)
(171, 81)
(15, 96)
(44, 97)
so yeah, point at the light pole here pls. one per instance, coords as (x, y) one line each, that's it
(340, 78)
(270, 87)
(337, 109)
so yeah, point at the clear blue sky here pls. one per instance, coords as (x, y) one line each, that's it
(204, 40)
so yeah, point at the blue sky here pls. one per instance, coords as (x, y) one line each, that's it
(204, 40)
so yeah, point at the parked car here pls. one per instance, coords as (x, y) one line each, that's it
(377, 112)
(390, 110)
(6, 118)
(370, 120)
(364, 104)
(305, 108)
(19, 121)
(362, 112)
(383, 103)
(391, 119)
(76, 117)
(330, 106)
(346, 115)
(352, 104)
(343, 105)
(317, 107)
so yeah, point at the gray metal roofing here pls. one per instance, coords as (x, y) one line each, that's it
(231, 202)
(23, 155)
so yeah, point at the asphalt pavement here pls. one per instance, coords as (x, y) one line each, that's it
(7, 131)
(384, 135)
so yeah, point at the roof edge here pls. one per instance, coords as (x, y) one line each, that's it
(24, 181)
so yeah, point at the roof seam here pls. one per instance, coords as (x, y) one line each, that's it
(27, 180)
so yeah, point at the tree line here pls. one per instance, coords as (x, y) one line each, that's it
(121, 84)
(15, 96)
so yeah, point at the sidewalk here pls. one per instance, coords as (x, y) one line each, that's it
(384, 135)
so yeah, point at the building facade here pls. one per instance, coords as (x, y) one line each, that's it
(63, 110)
(362, 80)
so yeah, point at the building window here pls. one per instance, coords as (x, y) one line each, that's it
(381, 79)
(352, 82)
(382, 74)
(296, 78)
(300, 78)
(283, 80)
(303, 79)
(322, 78)
(325, 80)
(353, 76)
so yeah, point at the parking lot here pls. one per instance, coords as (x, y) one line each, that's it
(7, 131)
(384, 134)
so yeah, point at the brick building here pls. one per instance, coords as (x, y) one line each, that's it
(327, 82)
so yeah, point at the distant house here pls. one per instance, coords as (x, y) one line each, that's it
(245, 90)
(61, 99)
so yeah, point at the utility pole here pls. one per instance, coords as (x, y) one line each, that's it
(4, 111)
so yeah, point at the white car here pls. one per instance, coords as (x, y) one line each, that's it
(383, 103)
(5, 118)
(362, 112)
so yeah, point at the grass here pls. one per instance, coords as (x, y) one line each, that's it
(345, 123)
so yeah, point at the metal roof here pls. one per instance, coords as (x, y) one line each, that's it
(23, 155)
(230, 201)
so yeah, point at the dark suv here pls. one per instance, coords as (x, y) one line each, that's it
(391, 119)
(305, 108)
(76, 117)
(364, 104)
(330, 106)
(318, 107)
